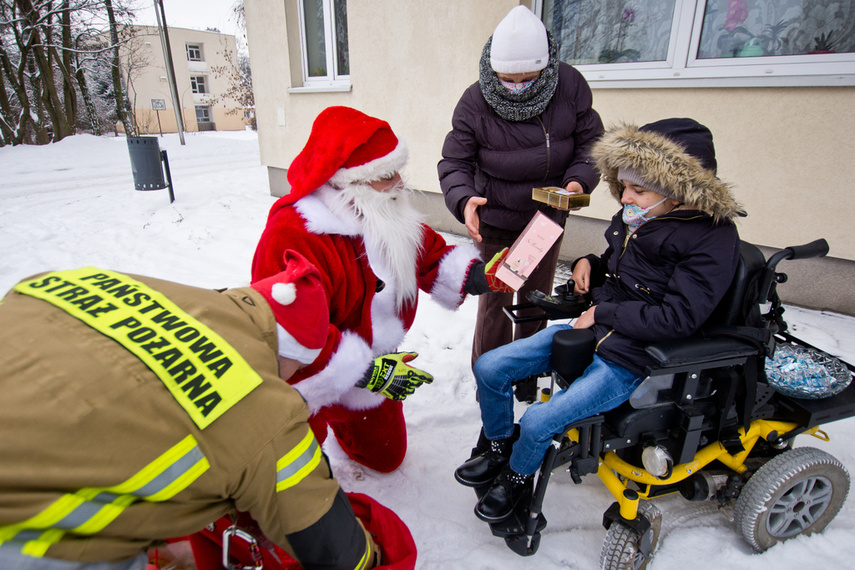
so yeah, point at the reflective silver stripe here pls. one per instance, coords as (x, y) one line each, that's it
(294, 466)
(170, 474)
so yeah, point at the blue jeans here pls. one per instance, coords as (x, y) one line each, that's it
(603, 386)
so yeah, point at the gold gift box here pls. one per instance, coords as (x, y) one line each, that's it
(560, 198)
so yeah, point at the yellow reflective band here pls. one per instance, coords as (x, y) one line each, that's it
(363, 563)
(202, 371)
(90, 510)
(297, 463)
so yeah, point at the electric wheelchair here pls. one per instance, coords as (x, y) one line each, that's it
(704, 423)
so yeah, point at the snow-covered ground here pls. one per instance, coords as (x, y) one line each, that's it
(73, 203)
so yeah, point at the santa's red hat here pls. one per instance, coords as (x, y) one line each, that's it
(299, 304)
(345, 146)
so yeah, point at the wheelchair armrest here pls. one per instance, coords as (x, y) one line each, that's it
(684, 354)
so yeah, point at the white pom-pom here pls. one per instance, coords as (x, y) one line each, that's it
(283, 293)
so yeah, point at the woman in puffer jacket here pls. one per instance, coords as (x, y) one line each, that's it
(526, 123)
(672, 252)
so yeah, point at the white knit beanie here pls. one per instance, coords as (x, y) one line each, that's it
(519, 43)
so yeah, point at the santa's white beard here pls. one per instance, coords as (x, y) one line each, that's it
(392, 229)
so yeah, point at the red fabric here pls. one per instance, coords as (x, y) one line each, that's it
(390, 533)
(299, 304)
(341, 137)
(375, 438)
(362, 325)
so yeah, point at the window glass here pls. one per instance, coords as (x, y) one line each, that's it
(343, 56)
(194, 52)
(203, 115)
(610, 31)
(197, 83)
(316, 55)
(755, 28)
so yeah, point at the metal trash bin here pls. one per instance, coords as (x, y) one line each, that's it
(146, 158)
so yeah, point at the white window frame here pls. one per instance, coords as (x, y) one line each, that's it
(198, 47)
(194, 84)
(332, 81)
(206, 110)
(681, 68)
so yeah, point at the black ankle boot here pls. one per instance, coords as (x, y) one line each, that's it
(501, 499)
(482, 469)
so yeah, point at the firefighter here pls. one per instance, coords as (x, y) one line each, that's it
(136, 409)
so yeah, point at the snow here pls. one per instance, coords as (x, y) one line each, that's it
(73, 203)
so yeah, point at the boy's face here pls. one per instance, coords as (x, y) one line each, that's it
(644, 198)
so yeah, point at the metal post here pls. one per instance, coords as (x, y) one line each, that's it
(170, 69)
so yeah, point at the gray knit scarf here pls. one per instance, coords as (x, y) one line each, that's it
(515, 107)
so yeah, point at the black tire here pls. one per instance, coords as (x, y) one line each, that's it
(621, 548)
(797, 492)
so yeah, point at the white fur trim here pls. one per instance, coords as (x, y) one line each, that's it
(360, 399)
(290, 347)
(284, 293)
(386, 325)
(320, 219)
(376, 169)
(345, 368)
(447, 289)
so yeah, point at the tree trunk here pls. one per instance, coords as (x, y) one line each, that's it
(69, 95)
(116, 73)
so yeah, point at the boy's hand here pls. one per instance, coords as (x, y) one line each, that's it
(582, 276)
(586, 319)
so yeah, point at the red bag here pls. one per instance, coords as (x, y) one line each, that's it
(389, 531)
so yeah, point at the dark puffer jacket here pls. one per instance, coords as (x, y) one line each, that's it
(485, 155)
(662, 281)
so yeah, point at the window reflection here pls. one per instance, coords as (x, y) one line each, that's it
(756, 28)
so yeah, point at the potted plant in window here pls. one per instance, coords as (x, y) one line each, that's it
(823, 43)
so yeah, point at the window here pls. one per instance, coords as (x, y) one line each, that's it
(323, 34)
(197, 83)
(203, 114)
(194, 52)
(676, 43)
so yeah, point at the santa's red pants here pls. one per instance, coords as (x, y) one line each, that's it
(375, 438)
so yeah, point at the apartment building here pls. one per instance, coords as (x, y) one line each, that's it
(199, 59)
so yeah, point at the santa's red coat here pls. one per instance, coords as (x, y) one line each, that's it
(364, 322)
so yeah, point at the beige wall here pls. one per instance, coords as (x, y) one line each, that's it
(787, 151)
(144, 55)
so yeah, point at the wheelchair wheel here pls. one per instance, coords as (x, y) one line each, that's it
(797, 492)
(622, 546)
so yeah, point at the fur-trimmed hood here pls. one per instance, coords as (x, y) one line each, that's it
(665, 163)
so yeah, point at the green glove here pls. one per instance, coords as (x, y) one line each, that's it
(393, 377)
(497, 285)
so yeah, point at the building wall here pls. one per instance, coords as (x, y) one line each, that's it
(148, 80)
(786, 150)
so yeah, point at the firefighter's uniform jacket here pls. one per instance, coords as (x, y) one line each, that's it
(110, 441)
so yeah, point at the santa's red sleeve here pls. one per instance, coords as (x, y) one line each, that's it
(443, 268)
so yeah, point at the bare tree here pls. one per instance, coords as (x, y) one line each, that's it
(237, 70)
(47, 50)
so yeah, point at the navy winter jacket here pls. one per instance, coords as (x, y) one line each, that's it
(659, 283)
(485, 155)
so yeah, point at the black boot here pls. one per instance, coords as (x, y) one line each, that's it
(482, 469)
(507, 491)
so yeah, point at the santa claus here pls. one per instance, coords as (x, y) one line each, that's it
(349, 213)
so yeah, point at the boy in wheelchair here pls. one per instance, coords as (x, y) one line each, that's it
(671, 256)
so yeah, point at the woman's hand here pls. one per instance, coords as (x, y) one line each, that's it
(582, 276)
(574, 188)
(471, 218)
